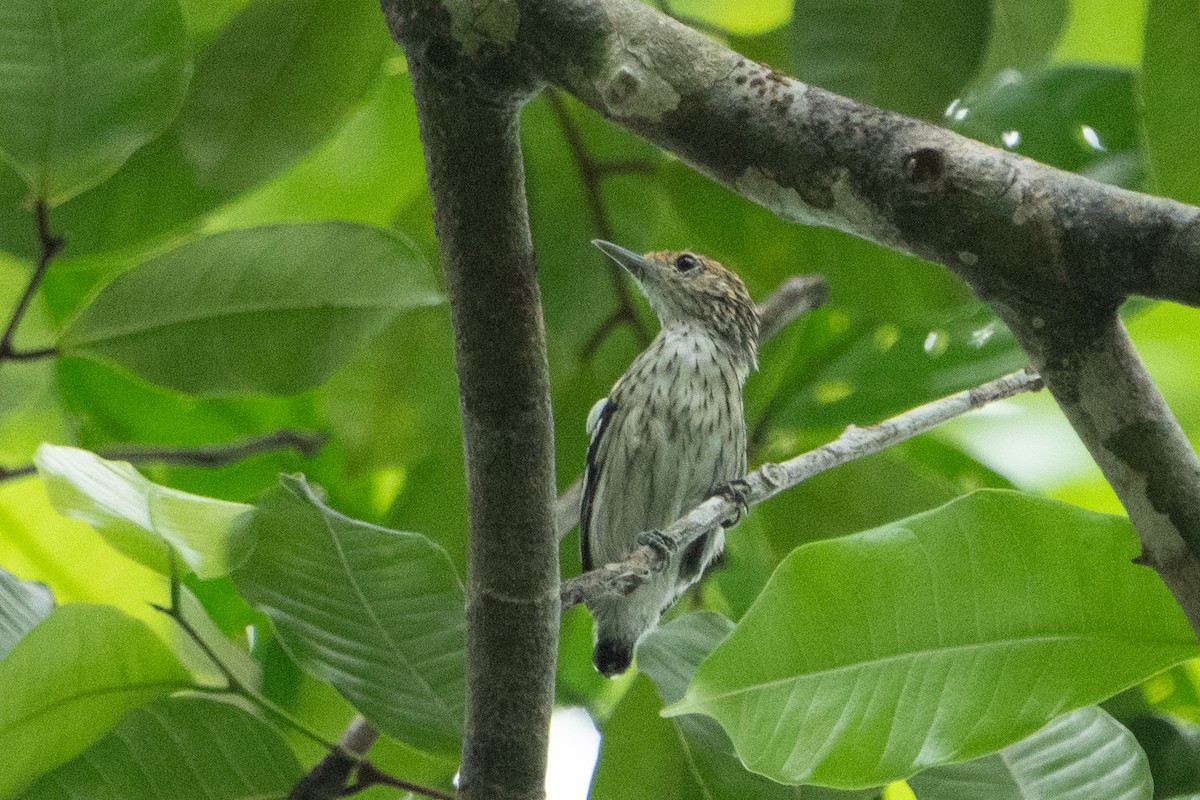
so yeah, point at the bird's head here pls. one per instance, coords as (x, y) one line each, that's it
(686, 287)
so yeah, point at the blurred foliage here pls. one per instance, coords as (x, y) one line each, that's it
(251, 113)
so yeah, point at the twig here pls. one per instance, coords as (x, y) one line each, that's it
(770, 479)
(343, 757)
(795, 296)
(369, 775)
(48, 246)
(591, 174)
(307, 443)
(330, 776)
(232, 684)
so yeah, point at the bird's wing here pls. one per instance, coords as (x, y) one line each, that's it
(597, 422)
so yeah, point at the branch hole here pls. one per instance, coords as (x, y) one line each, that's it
(925, 168)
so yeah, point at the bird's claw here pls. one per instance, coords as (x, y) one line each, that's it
(662, 547)
(737, 491)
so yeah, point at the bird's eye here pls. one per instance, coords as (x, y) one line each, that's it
(686, 262)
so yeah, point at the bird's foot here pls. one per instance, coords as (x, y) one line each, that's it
(737, 491)
(661, 545)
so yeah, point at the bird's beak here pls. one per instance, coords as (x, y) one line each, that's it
(635, 265)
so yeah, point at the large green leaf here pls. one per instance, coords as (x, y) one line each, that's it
(669, 657)
(311, 64)
(911, 56)
(139, 517)
(271, 86)
(688, 757)
(273, 309)
(1083, 755)
(1170, 89)
(936, 639)
(184, 748)
(364, 173)
(378, 613)
(23, 604)
(69, 680)
(84, 83)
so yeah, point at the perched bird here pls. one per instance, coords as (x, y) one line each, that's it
(670, 434)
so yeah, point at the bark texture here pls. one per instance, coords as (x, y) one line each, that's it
(468, 102)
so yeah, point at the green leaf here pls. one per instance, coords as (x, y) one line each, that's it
(1170, 89)
(84, 83)
(378, 613)
(273, 309)
(139, 517)
(1078, 117)
(69, 680)
(669, 657)
(671, 653)
(364, 173)
(184, 748)
(312, 62)
(740, 19)
(1024, 33)
(911, 56)
(1084, 755)
(23, 604)
(274, 83)
(640, 754)
(872, 657)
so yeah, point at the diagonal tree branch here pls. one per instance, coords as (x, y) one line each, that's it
(771, 479)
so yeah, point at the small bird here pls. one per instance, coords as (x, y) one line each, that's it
(670, 434)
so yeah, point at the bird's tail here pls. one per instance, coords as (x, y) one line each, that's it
(612, 656)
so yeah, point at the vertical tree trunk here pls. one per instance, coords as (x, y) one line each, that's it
(469, 129)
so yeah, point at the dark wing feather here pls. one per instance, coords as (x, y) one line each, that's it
(591, 477)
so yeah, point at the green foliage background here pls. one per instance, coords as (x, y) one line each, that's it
(283, 116)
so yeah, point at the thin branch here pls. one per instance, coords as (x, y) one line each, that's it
(232, 684)
(307, 443)
(330, 777)
(49, 244)
(342, 758)
(369, 775)
(795, 296)
(591, 173)
(771, 479)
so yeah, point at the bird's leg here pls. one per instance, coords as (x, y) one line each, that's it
(661, 545)
(736, 491)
